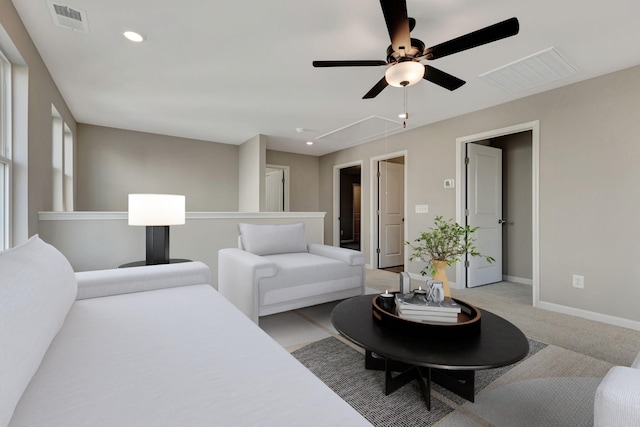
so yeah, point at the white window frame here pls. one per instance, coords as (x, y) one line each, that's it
(62, 163)
(5, 151)
(67, 173)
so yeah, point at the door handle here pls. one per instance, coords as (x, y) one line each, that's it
(502, 221)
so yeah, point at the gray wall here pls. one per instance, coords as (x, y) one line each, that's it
(113, 163)
(588, 195)
(33, 96)
(304, 179)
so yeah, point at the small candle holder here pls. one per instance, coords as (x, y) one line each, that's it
(419, 296)
(387, 301)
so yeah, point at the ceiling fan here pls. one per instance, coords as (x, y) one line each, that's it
(405, 53)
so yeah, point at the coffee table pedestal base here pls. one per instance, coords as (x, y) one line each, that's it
(459, 382)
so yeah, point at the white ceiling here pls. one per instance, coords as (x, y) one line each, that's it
(227, 71)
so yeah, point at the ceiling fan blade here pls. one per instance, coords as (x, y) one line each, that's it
(489, 34)
(395, 15)
(441, 78)
(353, 63)
(379, 87)
(412, 24)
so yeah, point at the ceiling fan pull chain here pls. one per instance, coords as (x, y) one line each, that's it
(406, 114)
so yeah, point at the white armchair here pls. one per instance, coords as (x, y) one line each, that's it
(275, 270)
(617, 401)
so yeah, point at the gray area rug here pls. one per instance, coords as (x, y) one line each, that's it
(550, 387)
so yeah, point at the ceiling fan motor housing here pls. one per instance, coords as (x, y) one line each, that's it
(415, 51)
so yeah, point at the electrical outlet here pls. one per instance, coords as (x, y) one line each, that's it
(578, 281)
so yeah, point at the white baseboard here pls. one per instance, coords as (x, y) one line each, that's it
(589, 315)
(517, 280)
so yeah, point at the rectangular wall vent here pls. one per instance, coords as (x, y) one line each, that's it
(365, 130)
(534, 70)
(70, 18)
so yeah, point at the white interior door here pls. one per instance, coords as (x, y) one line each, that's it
(484, 204)
(390, 214)
(274, 188)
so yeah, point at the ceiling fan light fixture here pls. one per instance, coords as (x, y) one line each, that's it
(405, 73)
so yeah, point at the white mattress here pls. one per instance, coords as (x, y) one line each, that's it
(173, 357)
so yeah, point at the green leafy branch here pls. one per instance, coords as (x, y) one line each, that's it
(447, 241)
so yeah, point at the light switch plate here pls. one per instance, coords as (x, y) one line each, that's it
(422, 208)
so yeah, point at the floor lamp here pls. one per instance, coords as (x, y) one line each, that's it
(157, 212)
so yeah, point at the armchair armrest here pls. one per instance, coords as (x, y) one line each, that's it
(347, 256)
(617, 401)
(101, 283)
(238, 275)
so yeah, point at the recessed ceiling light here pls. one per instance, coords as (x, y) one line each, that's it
(309, 142)
(133, 36)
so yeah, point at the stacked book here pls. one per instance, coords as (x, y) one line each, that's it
(410, 308)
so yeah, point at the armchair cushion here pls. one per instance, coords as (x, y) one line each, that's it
(271, 239)
(37, 288)
(305, 275)
(347, 256)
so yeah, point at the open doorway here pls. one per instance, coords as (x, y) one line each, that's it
(510, 234)
(390, 212)
(350, 207)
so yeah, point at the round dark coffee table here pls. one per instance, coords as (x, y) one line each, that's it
(449, 362)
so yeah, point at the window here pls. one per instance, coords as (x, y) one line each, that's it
(5, 150)
(62, 162)
(67, 169)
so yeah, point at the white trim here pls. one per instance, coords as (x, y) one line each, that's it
(336, 199)
(590, 315)
(373, 222)
(6, 144)
(534, 127)
(101, 216)
(515, 279)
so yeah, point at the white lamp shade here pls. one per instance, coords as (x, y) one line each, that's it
(408, 71)
(156, 209)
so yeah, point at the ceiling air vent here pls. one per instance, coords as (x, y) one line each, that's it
(68, 17)
(534, 70)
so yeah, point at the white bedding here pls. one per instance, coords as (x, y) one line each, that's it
(172, 357)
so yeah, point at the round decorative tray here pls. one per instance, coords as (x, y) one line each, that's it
(468, 322)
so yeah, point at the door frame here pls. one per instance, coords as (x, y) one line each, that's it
(336, 199)
(461, 190)
(373, 209)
